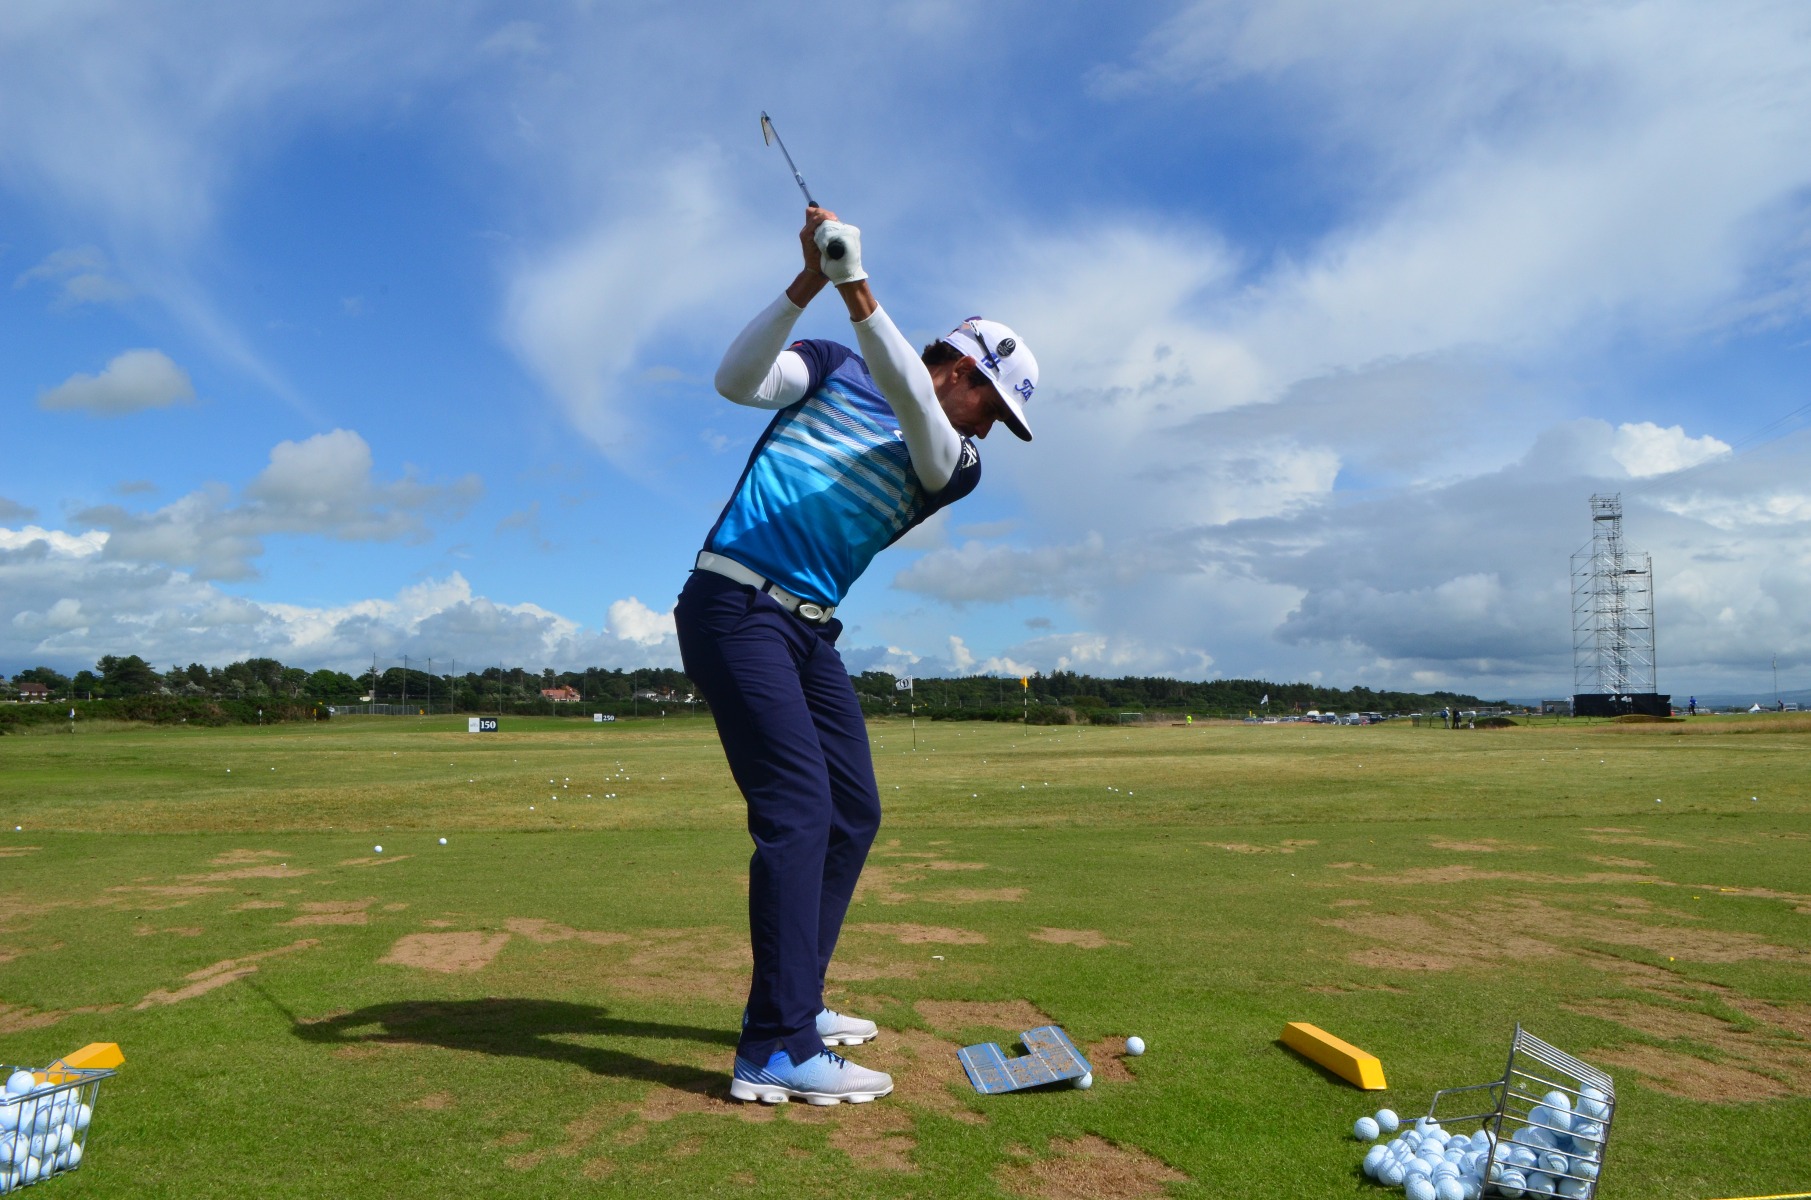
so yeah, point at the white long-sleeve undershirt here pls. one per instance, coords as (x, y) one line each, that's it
(758, 371)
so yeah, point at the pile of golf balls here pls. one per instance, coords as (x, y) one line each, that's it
(1558, 1155)
(40, 1129)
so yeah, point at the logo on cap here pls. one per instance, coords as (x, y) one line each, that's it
(1007, 347)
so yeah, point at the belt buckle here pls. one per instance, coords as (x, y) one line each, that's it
(810, 611)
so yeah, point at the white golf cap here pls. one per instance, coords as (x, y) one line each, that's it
(1006, 361)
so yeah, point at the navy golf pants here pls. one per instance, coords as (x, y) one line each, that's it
(793, 732)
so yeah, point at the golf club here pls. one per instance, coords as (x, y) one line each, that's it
(771, 136)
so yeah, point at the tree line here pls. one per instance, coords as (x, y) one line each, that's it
(518, 689)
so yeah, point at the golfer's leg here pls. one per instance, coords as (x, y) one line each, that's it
(855, 800)
(742, 653)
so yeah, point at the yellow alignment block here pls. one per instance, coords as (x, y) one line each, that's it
(95, 1056)
(1342, 1058)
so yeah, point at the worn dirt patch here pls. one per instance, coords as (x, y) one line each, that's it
(1778, 1047)
(334, 912)
(1694, 1078)
(237, 858)
(1610, 860)
(975, 896)
(218, 975)
(579, 1133)
(706, 1094)
(18, 851)
(1477, 845)
(1087, 939)
(1347, 903)
(1520, 927)
(708, 962)
(178, 930)
(1628, 839)
(876, 1137)
(1402, 960)
(1466, 873)
(18, 1018)
(1108, 1058)
(1015, 1016)
(263, 872)
(1248, 848)
(547, 932)
(434, 1101)
(171, 889)
(374, 860)
(452, 953)
(1089, 1168)
(252, 905)
(924, 935)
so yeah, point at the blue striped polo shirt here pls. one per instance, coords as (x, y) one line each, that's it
(830, 484)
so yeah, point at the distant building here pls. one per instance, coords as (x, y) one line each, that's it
(561, 695)
(34, 693)
(1564, 707)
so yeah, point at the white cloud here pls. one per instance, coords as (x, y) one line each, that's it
(82, 275)
(54, 541)
(134, 381)
(633, 621)
(1644, 449)
(582, 311)
(71, 610)
(324, 486)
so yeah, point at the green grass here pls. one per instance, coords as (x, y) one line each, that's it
(1414, 891)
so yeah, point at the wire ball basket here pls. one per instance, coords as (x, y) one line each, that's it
(44, 1132)
(1548, 1125)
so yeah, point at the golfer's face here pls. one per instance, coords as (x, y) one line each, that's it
(973, 405)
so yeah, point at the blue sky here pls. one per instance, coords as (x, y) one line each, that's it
(349, 330)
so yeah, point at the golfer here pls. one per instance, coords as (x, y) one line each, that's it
(862, 447)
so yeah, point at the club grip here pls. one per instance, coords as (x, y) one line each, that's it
(835, 248)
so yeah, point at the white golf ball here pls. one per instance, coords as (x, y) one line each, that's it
(443, 841)
(1134, 1046)
(1086, 1081)
(1539, 1184)
(1392, 1173)
(1558, 1100)
(1449, 1189)
(1364, 1129)
(83, 1115)
(75, 1153)
(9, 1120)
(1511, 1183)
(1593, 1103)
(1420, 1188)
(20, 1082)
(1387, 1120)
(1374, 1158)
(377, 849)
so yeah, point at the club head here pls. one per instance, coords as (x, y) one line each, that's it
(767, 133)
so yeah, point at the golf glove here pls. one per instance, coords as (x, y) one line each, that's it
(844, 269)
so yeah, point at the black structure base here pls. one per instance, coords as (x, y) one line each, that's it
(1597, 704)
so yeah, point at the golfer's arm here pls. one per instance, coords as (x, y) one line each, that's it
(932, 441)
(757, 370)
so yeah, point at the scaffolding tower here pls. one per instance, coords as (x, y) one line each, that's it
(1613, 667)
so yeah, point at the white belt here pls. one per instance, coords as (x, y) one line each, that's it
(729, 568)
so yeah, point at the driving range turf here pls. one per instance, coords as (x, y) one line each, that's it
(546, 1005)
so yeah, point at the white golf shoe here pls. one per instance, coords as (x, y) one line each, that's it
(827, 1078)
(840, 1029)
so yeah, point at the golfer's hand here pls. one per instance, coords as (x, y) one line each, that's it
(840, 247)
(808, 237)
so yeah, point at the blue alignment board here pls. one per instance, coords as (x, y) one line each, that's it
(1050, 1058)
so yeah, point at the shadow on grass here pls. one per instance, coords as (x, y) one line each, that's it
(516, 1028)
